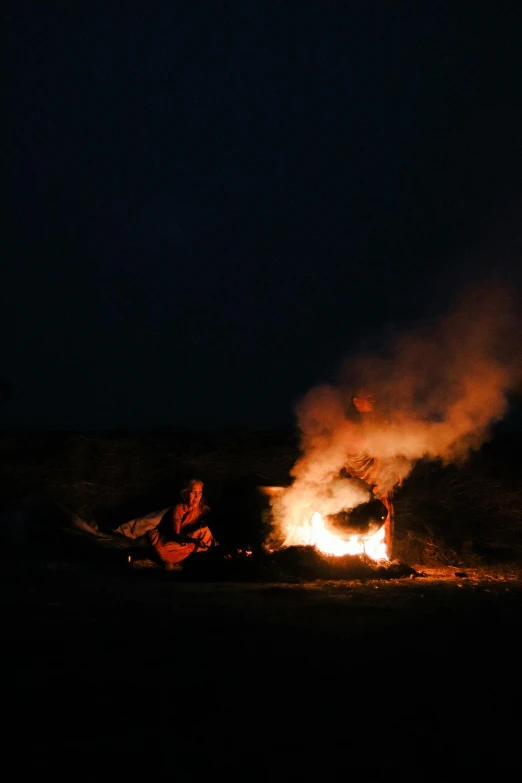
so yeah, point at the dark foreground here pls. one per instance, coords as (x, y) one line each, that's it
(119, 672)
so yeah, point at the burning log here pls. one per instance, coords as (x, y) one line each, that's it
(305, 562)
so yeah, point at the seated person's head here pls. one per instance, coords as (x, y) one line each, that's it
(193, 492)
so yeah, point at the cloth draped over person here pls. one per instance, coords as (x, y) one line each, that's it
(140, 526)
(175, 533)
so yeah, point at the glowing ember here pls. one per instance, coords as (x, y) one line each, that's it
(314, 533)
(246, 552)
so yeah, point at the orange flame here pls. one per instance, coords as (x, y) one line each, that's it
(313, 532)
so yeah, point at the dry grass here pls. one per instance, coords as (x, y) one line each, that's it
(103, 471)
(467, 513)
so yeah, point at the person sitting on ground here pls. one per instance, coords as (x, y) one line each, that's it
(174, 532)
(185, 532)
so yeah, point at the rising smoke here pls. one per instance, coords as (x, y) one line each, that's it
(438, 390)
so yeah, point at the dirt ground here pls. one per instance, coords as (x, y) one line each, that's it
(114, 671)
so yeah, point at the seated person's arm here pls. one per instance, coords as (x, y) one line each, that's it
(182, 538)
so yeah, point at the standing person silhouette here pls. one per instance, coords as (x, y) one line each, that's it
(375, 472)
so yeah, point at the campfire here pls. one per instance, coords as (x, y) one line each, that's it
(339, 535)
(350, 532)
(313, 532)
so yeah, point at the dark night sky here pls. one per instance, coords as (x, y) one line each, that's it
(211, 203)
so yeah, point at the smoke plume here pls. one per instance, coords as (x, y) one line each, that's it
(438, 390)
